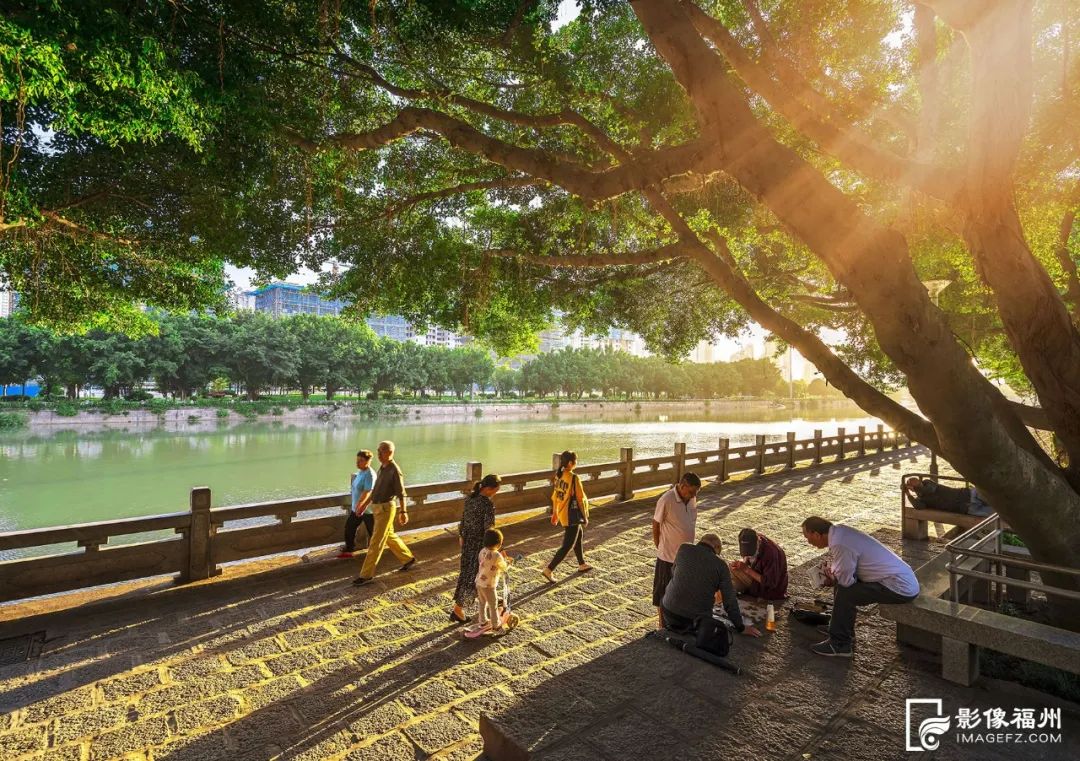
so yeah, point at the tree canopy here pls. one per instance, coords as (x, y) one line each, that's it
(676, 168)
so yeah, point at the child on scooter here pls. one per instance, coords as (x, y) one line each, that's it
(493, 563)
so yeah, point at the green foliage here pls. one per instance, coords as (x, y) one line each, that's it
(576, 372)
(1011, 539)
(221, 412)
(190, 354)
(11, 421)
(66, 409)
(248, 410)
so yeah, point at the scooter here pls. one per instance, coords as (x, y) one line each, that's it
(507, 618)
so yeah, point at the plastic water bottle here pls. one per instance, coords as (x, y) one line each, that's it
(770, 618)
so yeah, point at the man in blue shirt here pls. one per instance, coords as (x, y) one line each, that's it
(362, 483)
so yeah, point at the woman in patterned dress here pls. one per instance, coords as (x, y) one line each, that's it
(476, 518)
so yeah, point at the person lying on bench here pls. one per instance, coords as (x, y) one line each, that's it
(862, 571)
(930, 495)
(762, 572)
(700, 573)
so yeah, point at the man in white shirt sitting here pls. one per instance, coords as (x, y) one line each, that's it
(862, 571)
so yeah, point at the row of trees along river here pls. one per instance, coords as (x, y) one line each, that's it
(190, 354)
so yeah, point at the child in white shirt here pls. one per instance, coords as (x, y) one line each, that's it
(493, 564)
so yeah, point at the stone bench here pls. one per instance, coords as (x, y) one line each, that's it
(957, 630)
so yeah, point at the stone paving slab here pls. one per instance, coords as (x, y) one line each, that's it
(295, 663)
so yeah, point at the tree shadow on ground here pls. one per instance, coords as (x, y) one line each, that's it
(645, 694)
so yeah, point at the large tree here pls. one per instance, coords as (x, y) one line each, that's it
(682, 168)
(658, 163)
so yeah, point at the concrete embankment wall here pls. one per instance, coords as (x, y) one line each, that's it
(196, 418)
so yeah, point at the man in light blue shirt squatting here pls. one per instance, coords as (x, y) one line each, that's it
(862, 571)
(362, 483)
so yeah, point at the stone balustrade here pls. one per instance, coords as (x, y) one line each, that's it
(206, 536)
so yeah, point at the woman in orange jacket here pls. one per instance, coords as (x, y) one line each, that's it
(569, 509)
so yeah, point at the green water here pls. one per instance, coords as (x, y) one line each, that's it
(71, 477)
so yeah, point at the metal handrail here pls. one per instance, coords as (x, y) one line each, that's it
(959, 548)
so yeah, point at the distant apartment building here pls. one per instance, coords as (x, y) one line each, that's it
(9, 302)
(284, 299)
(556, 338)
(705, 353)
(240, 301)
(391, 326)
(436, 336)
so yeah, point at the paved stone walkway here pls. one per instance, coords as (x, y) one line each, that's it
(295, 663)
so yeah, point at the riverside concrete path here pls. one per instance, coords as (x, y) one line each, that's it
(295, 663)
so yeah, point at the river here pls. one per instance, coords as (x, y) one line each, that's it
(75, 477)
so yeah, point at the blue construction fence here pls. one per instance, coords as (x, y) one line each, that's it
(17, 389)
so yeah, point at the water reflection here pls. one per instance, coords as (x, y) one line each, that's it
(72, 477)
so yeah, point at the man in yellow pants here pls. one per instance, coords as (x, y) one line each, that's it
(388, 493)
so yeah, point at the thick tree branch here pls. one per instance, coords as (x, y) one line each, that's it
(846, 143)
(69, 226)
(1067, 264)
(653, 256)
(974, 430)
(566, 116)
(824, 302)
(1033, 417)
(465, 187)
(599, 185)
(719, 267)
(1036, 319)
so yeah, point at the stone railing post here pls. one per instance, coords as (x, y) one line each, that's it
(200, 563)
(626, 457)
(817, 446)
(862, 441)
(759, 450)
(791, 449)
(724, 446)
(474, 471)
(840, 433)
(880, 438)
(680, 460)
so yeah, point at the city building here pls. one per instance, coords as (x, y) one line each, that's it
(437, 336)
(705, 353)
(553, 339)
(240, 301)
(9, 302)
(283, 299)
(391, 326)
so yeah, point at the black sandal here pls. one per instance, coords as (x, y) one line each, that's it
(456, 620)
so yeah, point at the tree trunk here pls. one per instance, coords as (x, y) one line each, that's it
(982, 440)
